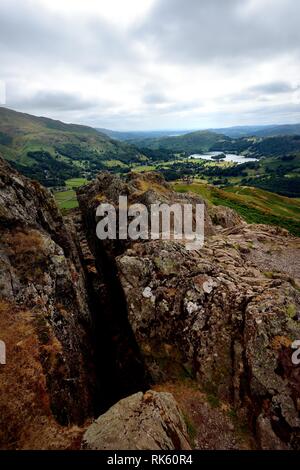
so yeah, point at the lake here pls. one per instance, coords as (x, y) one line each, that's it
(230, 157)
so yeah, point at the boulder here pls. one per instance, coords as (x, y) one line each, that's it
(143, 421)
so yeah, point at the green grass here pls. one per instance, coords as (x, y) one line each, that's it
(66, 200)
(254, 205)
(191, 428)
(264, 200)
(114, 163)
(213, 400)
(75, 182)
(141, 168)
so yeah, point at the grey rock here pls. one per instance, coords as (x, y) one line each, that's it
(149, 421)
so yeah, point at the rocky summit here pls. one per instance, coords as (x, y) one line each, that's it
(121, 344)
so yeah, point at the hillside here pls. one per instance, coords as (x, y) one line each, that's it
(259, 131)
(273, 131)
(130, 135)
(260, 146)
(193, 142)
(52, 151)
(204, 141)
(253, 204)
(233, 132)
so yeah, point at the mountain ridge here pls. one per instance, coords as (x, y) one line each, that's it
(267, 130)
(52, 151)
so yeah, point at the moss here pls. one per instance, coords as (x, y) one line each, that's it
(213, 400)
(187, 371)
(269, 274)
(167, 266)
(42, 329)
(191, 429)
(232, 414)
(291, 310)
(236, 246)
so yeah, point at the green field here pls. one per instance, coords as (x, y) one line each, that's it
(75, 182)
(142, 168)
(67, 200)
(253, 204)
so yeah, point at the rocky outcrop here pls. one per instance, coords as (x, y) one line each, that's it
(224, 216)
(89, 322)
(149, 421)
(214, 314)
(45, 319)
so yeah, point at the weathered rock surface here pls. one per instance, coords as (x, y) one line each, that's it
(224, 216)
(45, 319)
(149, 421)
(223, 316)
(216, 314)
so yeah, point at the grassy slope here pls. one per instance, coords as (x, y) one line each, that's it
(254, 205)
(21, 133)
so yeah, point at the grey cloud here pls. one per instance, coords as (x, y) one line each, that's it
(163, 120)
(221, 31)
(268, 114)
(182, 107)
(31, 34)
(39, 47)
(51, 100)
(166, 107)
(260, 92)
(263, 92)
(273, 88)
(155, 98)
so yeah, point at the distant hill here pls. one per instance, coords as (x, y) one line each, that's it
(236, 132)
(259, 131)
(274, 131)
(193, 142)
(52, 151)
(233, 132)
(204, 141)
(260, 146)
(130, 135)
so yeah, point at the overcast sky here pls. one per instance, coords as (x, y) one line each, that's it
(153, 64)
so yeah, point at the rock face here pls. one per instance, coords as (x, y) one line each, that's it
(45, 319)
(224, 216)
(149, 421)
(216, 314)
(89, 322)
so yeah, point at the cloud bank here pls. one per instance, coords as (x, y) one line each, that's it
(154, 64)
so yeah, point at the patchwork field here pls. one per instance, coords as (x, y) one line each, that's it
(67, 200)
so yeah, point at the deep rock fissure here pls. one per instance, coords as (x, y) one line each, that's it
(120, 369)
